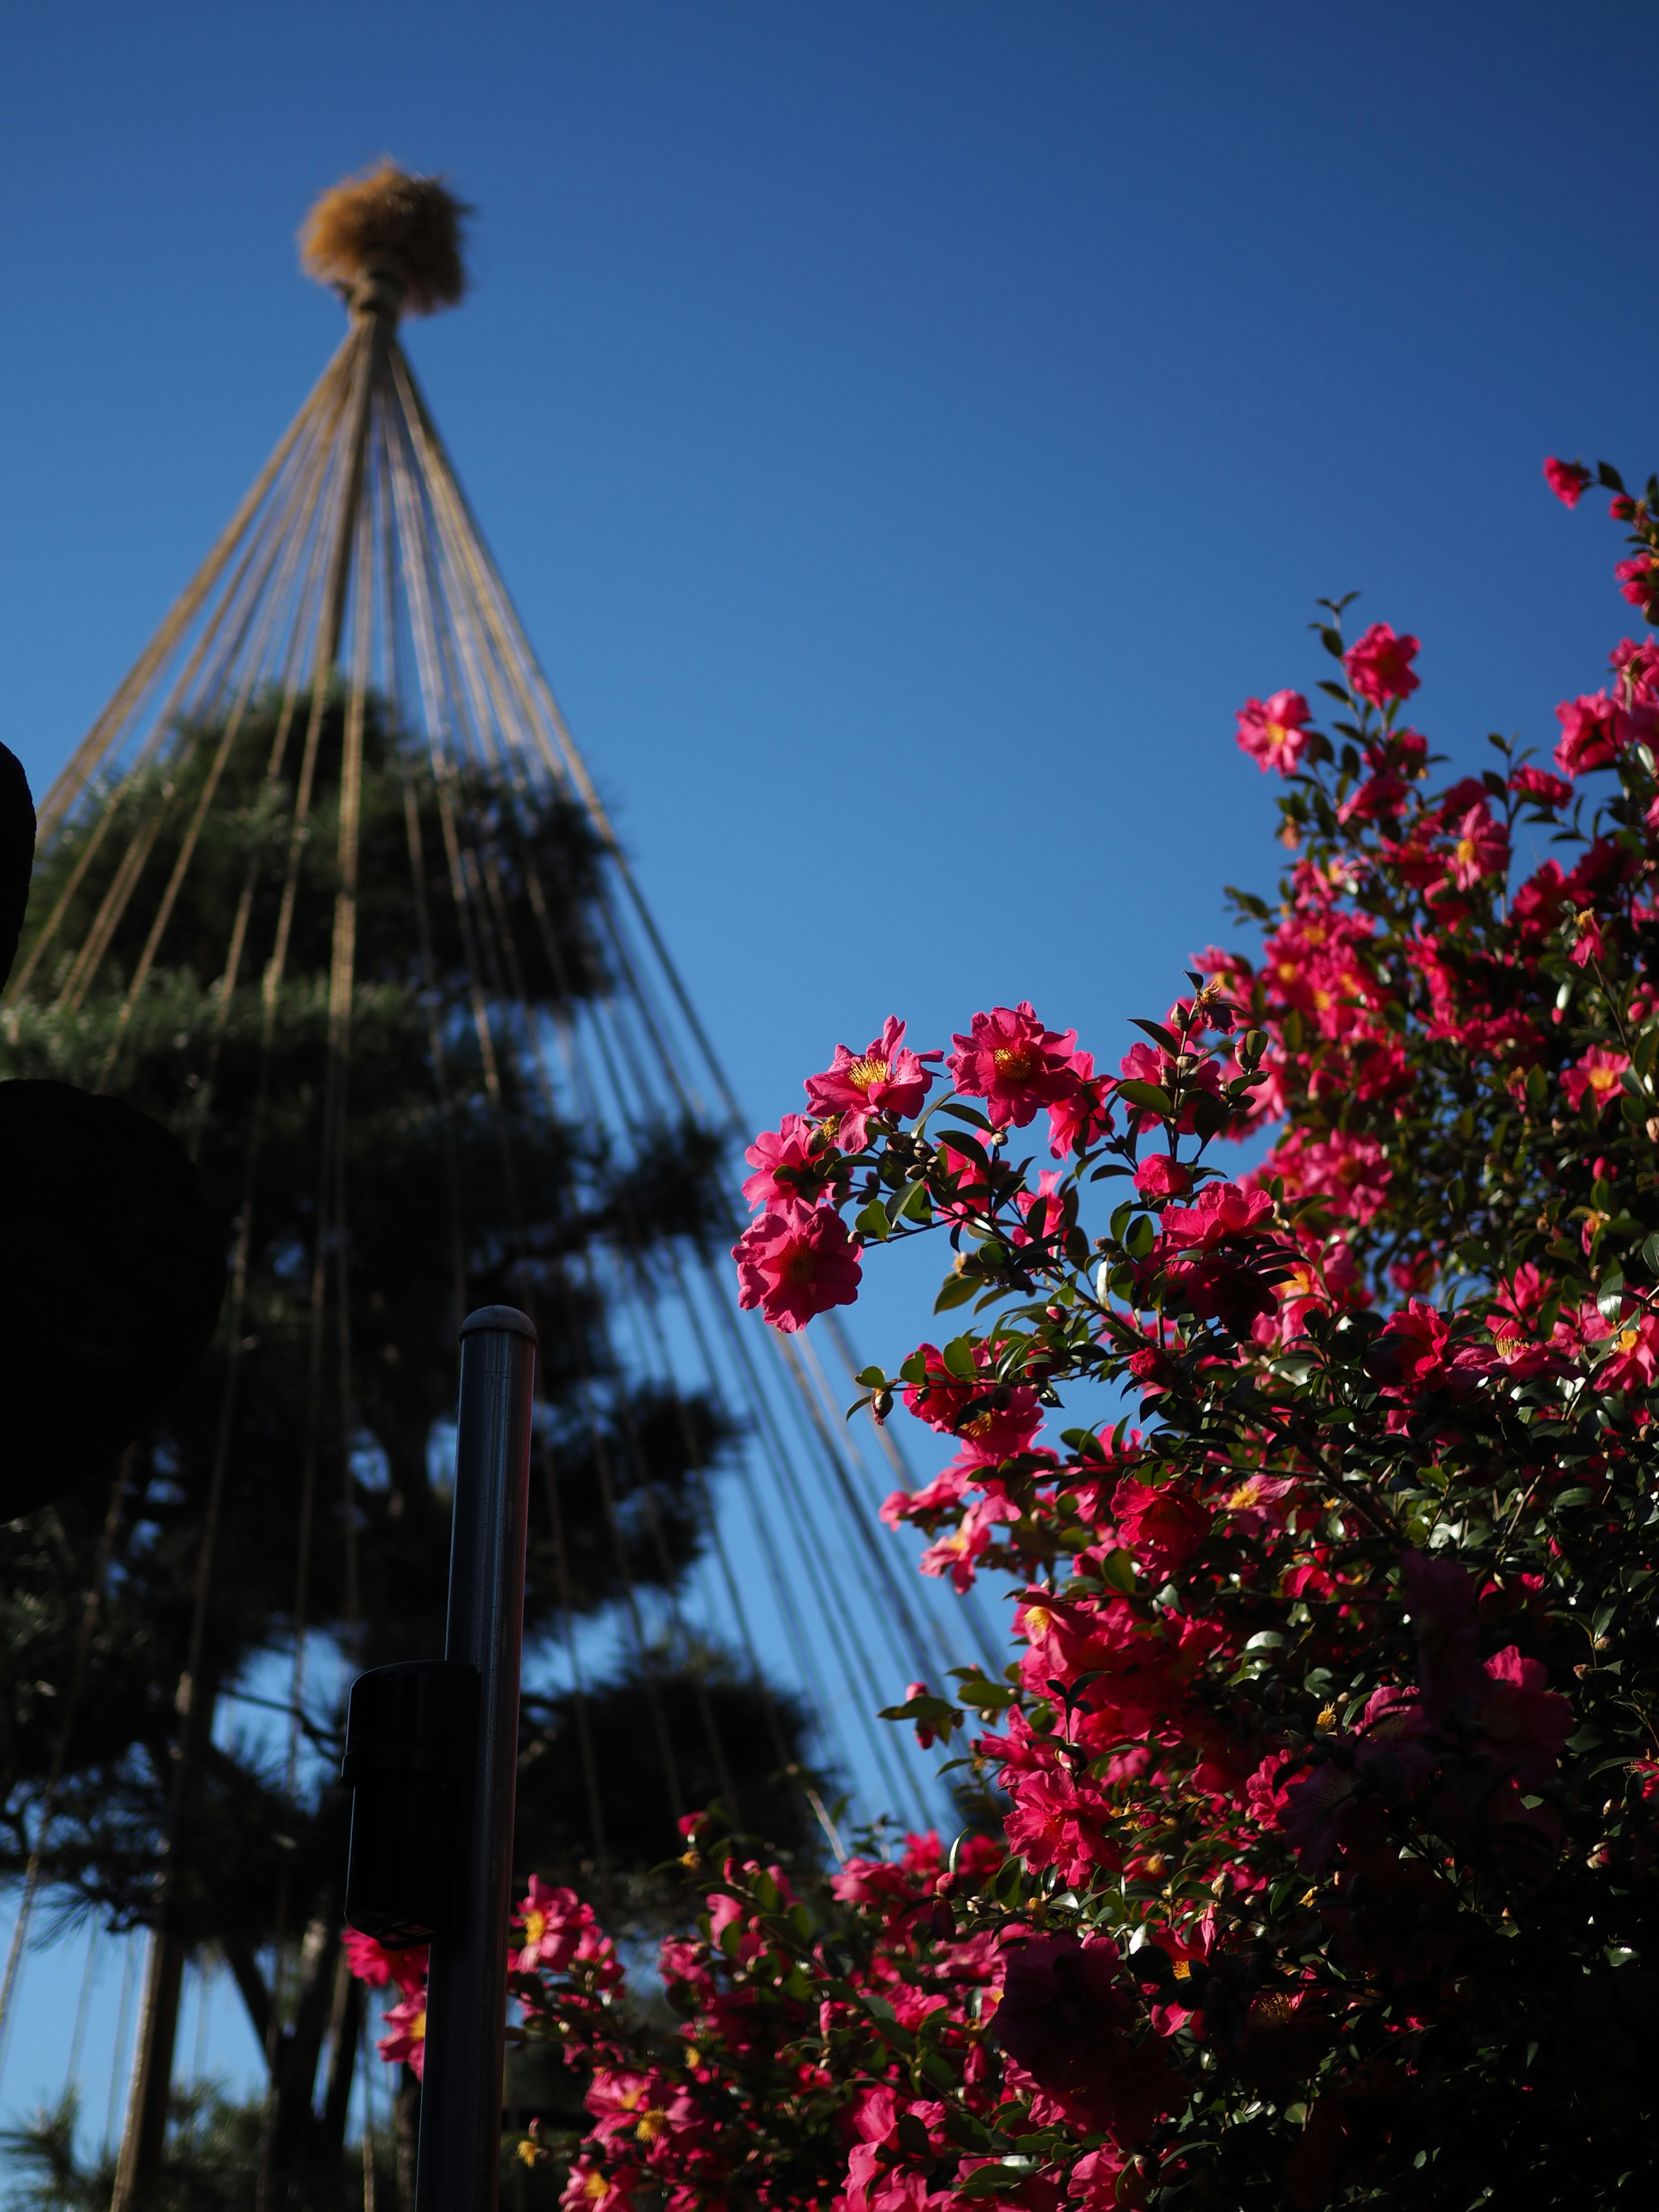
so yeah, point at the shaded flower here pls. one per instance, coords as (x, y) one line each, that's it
(1596, 1077)
(788, 1169)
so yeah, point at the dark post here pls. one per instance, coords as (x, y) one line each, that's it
(459, 2157)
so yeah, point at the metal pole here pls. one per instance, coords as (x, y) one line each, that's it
(460, 2159)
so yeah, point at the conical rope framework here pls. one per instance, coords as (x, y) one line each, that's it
(353, 583)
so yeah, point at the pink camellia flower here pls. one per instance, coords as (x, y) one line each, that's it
(794, 1265)
(1590, 733)
(1596, 1077)
(1638, 580)
(1540, 786)
(1568, 480)
(1085, 1115)
(591, 2189)
(885, 1077)
(1634, 1358)
(372, 1963)
(1014, 1064)
(1257, 1503)
(1160, 1175)
(1067, 2018)
(959, 1553)
(1272, 731)
(1379, 665)
(1221, 1211)
(1481, 848)
(787, 1172)
(1165, 1527)
(1634, 665)
(1054, 1823)
(993, 1420)
(1526, 1726)
(407, 2039)
(553, 1921)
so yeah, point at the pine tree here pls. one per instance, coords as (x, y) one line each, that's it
(296, 1482)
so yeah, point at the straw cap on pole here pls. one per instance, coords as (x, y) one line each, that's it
(388, 242)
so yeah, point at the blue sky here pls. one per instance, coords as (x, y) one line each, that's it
(909, 432)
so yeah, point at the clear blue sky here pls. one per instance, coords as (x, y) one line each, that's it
(909, 431)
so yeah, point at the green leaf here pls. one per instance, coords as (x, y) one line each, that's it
(956, 1291)
(1577, 1496)
(915, 1206)
(986, 1697)
(958, 1356)
(1256, 907)
(1148, 1095)
(872, 1221)
(1159, 1034)
(935, 1710)
(971, 1113)
(1117, 1570)
(990, 2180)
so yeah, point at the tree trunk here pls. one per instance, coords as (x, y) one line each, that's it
(145, 2136)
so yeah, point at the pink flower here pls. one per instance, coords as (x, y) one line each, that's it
(1163, 1526)
(794, 1265)
(1379, 665)
(372, 1963)
(1086, 1116)
(1540, 786)
(1526, 1726)
(591, 2189)
(1257, 1503)
(1055, 1824)
(1481, 848)
(959, 1553)
(1597, 1076)
(993, 1420)
(1568, 480)
(787, 1172)
(1221, 1211)
(1589, 735)
(1014, 1064)
(1160, 1175)
(407, 2039)
(1271, 731)
(1066, 2017)
(1634, 1358)
(886, 1078)
(1636, 580)
(1634, 665)
(553, 1921)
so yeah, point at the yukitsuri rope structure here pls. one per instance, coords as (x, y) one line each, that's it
(353, 580)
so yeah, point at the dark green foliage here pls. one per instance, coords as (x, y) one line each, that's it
(755, 1728)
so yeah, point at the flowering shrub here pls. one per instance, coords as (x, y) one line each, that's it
(1328, 1759)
